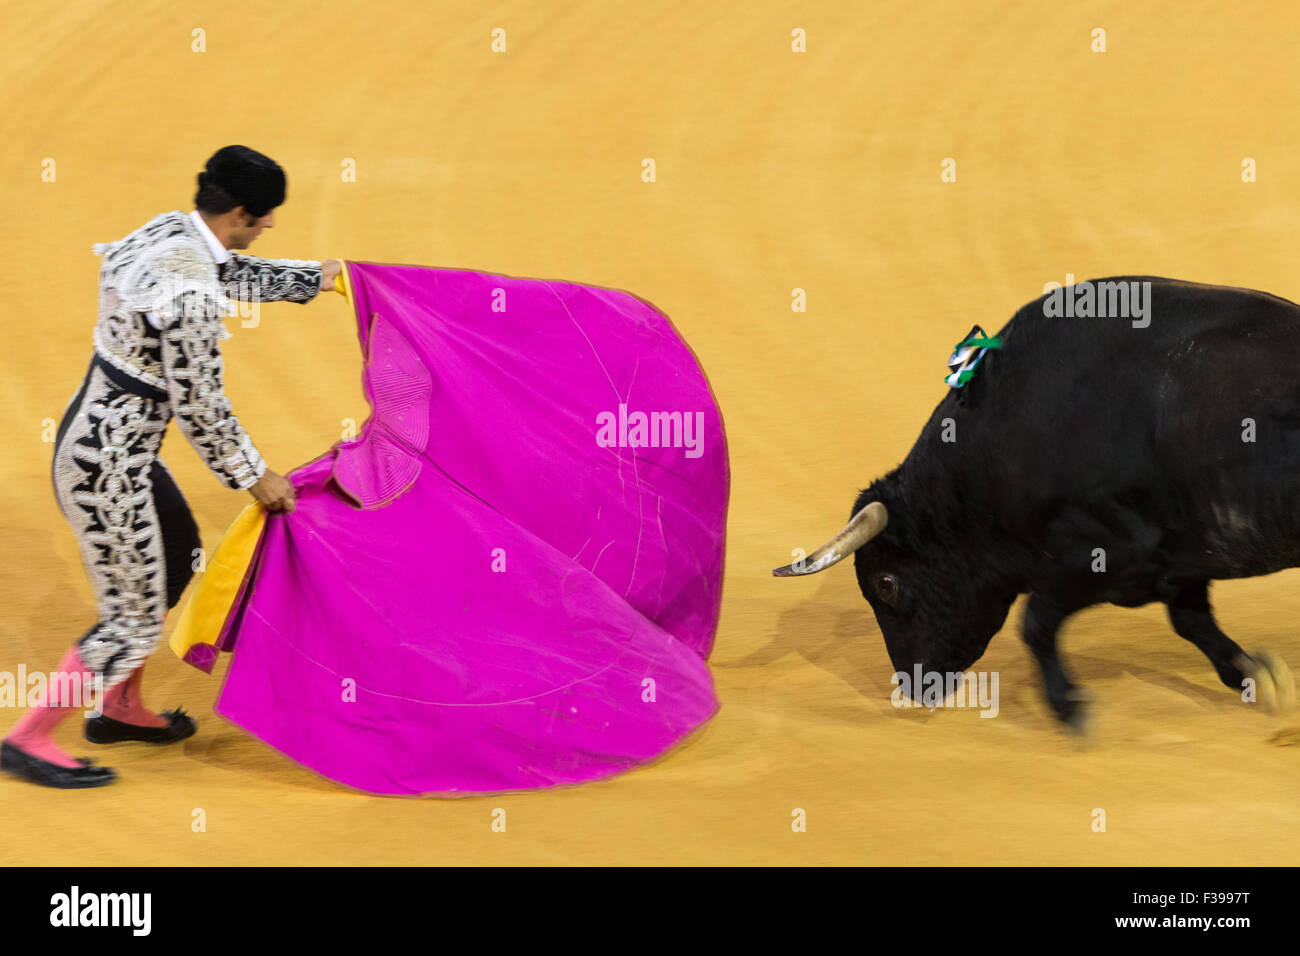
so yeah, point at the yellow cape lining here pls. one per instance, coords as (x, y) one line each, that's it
(204, 613)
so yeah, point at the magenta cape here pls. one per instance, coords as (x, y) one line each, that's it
(511, 578)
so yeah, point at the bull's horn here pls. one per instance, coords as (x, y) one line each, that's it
(863, 526)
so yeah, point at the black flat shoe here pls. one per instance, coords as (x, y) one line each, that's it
(24, 765)
(106, 730)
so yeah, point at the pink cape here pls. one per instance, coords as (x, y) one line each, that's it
(511, 578)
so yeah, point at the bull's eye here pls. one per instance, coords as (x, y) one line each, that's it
(887, 588)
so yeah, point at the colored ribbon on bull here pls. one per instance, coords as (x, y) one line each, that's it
(967, 355)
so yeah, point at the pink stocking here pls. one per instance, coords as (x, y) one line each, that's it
(33, 734)
(122, 702)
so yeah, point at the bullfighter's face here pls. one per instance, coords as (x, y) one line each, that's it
(247, 227)
(932, 610)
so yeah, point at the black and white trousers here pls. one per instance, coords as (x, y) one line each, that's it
(138, 539)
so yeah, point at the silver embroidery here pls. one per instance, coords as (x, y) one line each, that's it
(193, 363)
(141, 271)
(101, 479)
(251, 279)
(165, 268)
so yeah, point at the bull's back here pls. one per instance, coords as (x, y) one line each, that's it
(1184, 428)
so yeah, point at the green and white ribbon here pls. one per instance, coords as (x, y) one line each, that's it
(967, 355)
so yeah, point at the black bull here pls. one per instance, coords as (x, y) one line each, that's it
(1091, 460)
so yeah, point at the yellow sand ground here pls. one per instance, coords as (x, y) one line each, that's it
(775, 171)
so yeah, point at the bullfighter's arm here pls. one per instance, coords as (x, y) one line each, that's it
(249, 278)
(193, 366)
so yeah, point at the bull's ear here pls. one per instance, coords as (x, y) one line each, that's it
(862, 527)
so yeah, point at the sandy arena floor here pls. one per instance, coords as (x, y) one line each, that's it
(775, 171)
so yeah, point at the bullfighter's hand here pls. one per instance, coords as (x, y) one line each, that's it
(275, 492)
(329, 271)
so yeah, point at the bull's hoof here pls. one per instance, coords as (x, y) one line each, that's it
(1283, 682)
(1074, 709)
(1274, 685)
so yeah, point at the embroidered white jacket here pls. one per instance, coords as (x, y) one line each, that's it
(162, 298)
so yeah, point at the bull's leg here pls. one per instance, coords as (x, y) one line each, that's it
(1043, 617)
(1190, 614)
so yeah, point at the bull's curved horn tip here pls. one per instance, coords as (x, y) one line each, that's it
(862, 527)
